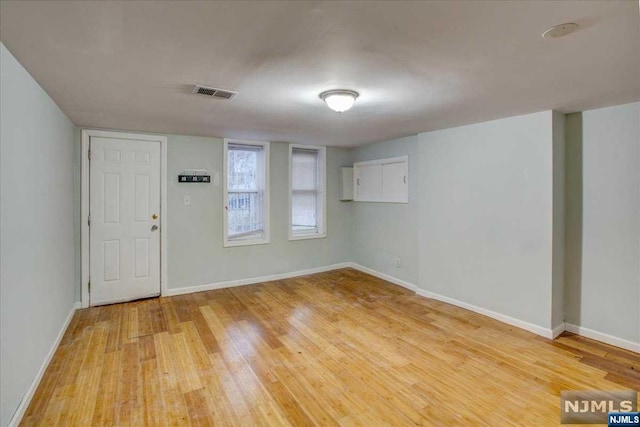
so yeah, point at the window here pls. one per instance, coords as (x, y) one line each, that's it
(246, 192)
(307, 196)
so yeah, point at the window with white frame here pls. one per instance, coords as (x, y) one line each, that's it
(307, 195)
(246, 192)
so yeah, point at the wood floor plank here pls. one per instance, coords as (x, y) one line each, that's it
(174, 410)
(336, 348)
(105, 409)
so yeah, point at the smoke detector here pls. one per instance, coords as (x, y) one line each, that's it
(560, 30)
(214, 92)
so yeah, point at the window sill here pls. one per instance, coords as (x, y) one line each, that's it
(293, 237)
(233, 243)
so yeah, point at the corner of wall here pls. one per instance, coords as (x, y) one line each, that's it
(602, 224)
(77, 185)
(558, 228)
(573, 217)
(380, 233)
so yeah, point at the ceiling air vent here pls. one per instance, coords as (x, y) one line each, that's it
(214, 92)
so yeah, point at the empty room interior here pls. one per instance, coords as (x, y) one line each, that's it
(355, 213)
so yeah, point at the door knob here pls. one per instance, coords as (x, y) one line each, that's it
(154, 216)
(154, 227)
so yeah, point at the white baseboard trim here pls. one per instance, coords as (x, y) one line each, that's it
(536, 329)
(26, 400)
(383, 276)
(539, 330)
(605, 338)
(558, 330)
(253, 280)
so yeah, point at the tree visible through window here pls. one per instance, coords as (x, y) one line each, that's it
(246, 182)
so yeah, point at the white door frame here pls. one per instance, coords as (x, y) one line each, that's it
(84, 202)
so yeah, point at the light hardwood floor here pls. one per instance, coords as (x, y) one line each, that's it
(336, 348)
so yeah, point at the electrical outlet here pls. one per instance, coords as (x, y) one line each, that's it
(187, 200)
(397, 262)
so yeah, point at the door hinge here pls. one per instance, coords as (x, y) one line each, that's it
(89, 220)
(89, 154)
(89, 286)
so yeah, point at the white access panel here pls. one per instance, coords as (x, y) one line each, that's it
(383, 180)
(367, 184)
(395, 185)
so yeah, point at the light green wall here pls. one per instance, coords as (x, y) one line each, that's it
(485, 229)
(37, 231)
(478, 227)
(196, 255)
(382, 232)
(603, 233)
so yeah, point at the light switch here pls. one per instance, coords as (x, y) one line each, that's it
(187, 200)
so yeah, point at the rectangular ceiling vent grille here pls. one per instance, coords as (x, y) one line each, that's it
(214, 92)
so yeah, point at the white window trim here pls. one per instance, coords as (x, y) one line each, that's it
(225, 197)
(323, 192)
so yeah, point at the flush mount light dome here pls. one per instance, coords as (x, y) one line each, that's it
(339, 100)
(560, 30)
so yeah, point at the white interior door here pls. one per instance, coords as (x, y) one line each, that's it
(124, 209)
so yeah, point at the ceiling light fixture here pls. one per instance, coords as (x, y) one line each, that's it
(339, 100)
(560, 30)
